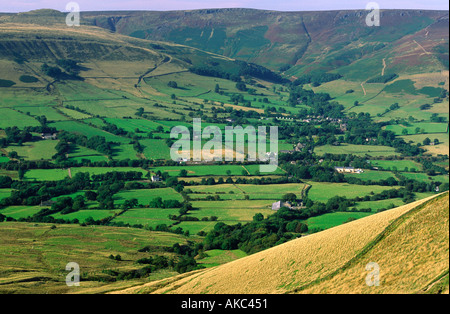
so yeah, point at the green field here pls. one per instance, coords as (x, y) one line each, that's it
(382, 204)
(80, 153)
(322, 192)
(60, 174)
(423, 177)
(130, 125)
(82, 215)
(10, 118)
(331, 220)
(231, 211)
(441, 149)
(150, 217)
(218, 257)
(372, 175)
(239, 191)
(18, 212)
(399, 165)
(156, 149)
(422, 127)
(36, 111)
(145, 196)
(213, 170)
(35, 150)
(359, 150)
(5, 193)
(88, 131)
(46, 174)
(73, 114)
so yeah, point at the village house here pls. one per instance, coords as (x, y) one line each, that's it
(277, 205)
(156, 178)
(348, 170)
(48, 136)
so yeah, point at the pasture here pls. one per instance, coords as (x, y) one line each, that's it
(359, 150)
(322, 192)
(60, 174)
(331, 220)
(372, 175)
(43, 251)
(399, 165)
(35, 150)
(10, 118)
(145, 196)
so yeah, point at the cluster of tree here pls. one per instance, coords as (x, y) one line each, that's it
(315, 172)
(31, 194)
(208, 71)
(67, 205)
(15, 135)
(437, 119)
(260, 72)
(5, 182)
(261, 233)
(392, 107)
(181, 264)
(117, 176)
(71, 67)
(172, 84)
(158, 202)
(320, 103)
(184, 261)
(361, 130)
(114, 129)
(316, 78)
(97, 143)
(383, 79)
(243, 180)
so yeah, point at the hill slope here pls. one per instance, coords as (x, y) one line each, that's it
(307, 41)
(410, 244)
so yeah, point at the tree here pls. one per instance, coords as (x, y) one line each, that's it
(289, 197)
(183, 173)
(13, 155)
(91, 195)
(241, 86)
(140, 112)
(172, 84)
(258, 217)
(426, 141)
(5, 182)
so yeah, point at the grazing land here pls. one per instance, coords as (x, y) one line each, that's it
(87, 121)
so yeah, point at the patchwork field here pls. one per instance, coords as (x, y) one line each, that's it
(441, 149)
(324, 191)
(359, 150)
(320, 262)
(8, 115)
(35, 150)
(60, 174)
(372, 175)
(120, 83)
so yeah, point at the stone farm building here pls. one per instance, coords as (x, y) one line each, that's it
(348, 170)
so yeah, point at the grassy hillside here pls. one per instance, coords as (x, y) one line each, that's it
(304, 40)
(410, 244)
(34, 256)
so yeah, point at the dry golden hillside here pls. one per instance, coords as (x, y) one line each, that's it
(410, 244)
